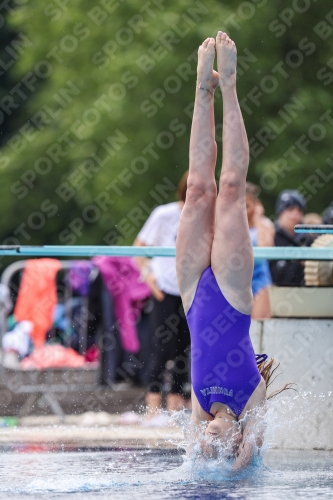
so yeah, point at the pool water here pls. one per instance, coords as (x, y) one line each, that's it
(153, 474)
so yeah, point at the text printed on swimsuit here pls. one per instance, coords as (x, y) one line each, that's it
(216, 390)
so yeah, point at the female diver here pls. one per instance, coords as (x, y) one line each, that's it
(214, 260)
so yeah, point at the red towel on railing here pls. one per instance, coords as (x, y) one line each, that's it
(122, 278)
(37, 297)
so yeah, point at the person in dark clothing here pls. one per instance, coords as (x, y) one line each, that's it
(290, 208)
(328, 215)
(170, 336)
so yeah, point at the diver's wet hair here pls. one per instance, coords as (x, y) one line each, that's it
(267, 371)
(182, 187)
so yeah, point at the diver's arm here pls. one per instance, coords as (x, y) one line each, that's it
(252, 441)
(198, 414)
(195, 431)
(246, 452)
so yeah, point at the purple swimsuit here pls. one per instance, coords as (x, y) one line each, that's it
(224, 366)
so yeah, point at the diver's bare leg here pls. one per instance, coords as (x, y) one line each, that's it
(232, 255)
(196, 229)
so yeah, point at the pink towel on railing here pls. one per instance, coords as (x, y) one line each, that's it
(52, 356)
(122, 278)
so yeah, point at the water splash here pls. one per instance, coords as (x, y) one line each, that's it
(301, 421)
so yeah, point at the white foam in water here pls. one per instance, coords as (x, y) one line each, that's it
(301, 421)
(213, 460)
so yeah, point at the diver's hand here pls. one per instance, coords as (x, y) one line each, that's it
(239, 467)
(244, 457)
(253, 435)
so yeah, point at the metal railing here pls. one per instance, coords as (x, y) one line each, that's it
(268, 253)
(314, 228)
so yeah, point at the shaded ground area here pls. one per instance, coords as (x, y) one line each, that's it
(118, 399)
(89, 430)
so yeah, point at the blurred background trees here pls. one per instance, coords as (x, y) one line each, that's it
(97, 101)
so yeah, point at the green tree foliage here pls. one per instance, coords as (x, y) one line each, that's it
(289, 117)
(104, 135)
(9, 41)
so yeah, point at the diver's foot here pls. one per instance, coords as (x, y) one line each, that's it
(207, 78)
(226, 59)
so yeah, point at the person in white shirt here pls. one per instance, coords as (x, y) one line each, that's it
(170, 333)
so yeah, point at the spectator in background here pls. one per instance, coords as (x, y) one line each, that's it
(290, 208)
(315, 219)
(312, 218)
(319, 273)
(262, 235)
(328, 215)
(170, 333)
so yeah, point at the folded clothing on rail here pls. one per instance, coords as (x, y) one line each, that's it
(79, 276)
(37, 297)
(122, 279)
(18, 339)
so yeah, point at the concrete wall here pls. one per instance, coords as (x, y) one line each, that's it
(304, 349)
